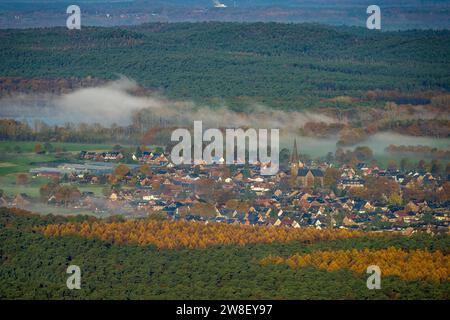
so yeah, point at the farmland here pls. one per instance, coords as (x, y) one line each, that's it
(19, 156)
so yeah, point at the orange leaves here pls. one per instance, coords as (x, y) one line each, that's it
(272, 260)
(182, 234)
(409, 265)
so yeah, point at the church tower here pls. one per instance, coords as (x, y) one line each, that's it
(294, 160)
(294, 155)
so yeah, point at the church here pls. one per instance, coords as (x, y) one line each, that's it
(306, 177)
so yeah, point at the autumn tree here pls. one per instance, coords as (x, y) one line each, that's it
(179, 234)
(37, 148)
(395, 199)
(392, 164)
(203, 209)
(377, 189)
(145, 170)
(443, 194)
(120, 171)
(414, 192)
(67, 194)
(357, 193)
(404, 163)
(435, 166)
(410, 265)
(331, 177)
(363, 153)
(22, 179)
(421, 165)
(47, 190)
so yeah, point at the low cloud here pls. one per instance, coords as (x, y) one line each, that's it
(116, 102)
(107, 104)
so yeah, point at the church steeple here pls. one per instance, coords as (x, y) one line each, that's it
(295, 162)
(294, 155)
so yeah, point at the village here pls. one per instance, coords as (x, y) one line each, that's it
(314, 194)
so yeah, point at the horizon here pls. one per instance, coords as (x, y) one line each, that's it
(397, 15)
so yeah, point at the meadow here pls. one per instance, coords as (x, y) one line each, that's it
(28, 146)
(13, 161)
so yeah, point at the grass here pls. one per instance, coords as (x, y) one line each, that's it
(21, 162)
(45, 209)
(28, 146)
(13, 162)
(96, 189)
(11, 188)
(6, 164)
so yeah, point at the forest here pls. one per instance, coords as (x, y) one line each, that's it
(286, 66)
(33, 266)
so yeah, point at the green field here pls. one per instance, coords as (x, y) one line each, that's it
(13, 162)
(43, 209)
(28, 146)
(11, 188)
(21, 162)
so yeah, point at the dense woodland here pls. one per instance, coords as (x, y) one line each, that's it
(287, 66)
(34, 266)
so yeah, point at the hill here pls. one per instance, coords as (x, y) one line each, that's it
(288, 66)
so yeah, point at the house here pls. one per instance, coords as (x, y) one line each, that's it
(154, 158)
(310, 177)
(111, 156)
(21, 200)
(411, 206)
(88, 155)
(318, 224)
(114, 196)
(3, 202)
(354, 182)
(362, 166)
(348, 221)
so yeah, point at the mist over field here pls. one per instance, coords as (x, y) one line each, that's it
(319, 147)
(113, 103)
(108, 104)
